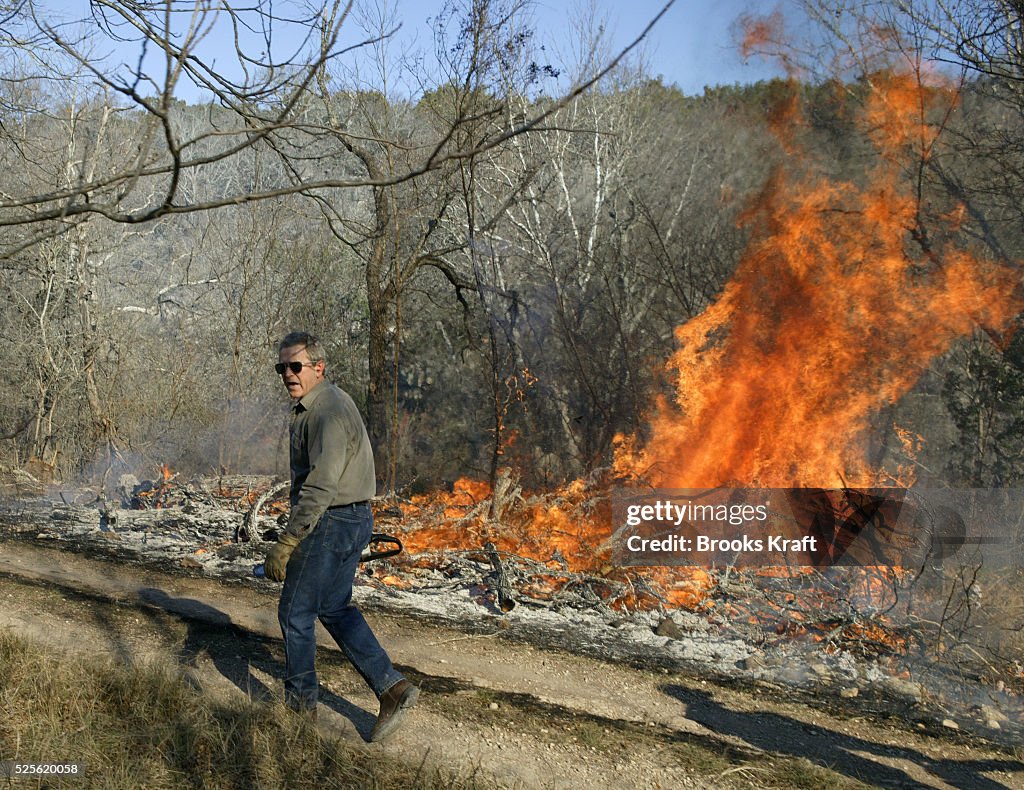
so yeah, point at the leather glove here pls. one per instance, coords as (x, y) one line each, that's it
(277, 557)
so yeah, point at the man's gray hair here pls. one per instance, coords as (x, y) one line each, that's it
(310, 342)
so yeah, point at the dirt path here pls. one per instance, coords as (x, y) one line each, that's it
(529, 717)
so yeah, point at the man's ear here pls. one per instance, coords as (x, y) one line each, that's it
(319, 367)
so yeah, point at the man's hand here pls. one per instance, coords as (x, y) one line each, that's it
(277, 557)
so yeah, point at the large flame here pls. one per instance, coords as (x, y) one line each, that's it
(842, 300)
(839, 305)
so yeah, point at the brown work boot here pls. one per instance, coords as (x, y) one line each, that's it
(393, 704)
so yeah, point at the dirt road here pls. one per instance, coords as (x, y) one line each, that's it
(527, 716)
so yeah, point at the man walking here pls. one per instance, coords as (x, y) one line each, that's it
(330, 524)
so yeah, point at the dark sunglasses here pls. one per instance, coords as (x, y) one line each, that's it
(294, 367)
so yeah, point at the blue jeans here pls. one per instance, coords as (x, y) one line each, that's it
(318, 584)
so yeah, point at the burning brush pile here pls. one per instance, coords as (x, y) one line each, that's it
(847, 294)
(934, 633)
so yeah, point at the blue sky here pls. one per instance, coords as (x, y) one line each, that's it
(692, 46)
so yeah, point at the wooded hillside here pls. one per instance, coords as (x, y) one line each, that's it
(496, 247)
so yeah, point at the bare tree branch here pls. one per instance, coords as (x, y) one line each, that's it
(265, 111)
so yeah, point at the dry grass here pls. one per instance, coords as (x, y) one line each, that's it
(146, 726)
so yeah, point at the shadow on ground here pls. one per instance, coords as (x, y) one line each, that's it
(235, 652)
(858, 758)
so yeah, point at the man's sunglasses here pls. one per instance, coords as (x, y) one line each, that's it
(293, 366)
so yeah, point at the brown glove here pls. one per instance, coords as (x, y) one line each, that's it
(277, 557)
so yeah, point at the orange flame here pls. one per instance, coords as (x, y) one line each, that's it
(539, 528)
(838, 306)
(567, 532)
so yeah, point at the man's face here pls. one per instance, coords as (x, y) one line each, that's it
(298, 384)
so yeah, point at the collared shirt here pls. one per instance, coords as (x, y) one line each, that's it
(331, 458)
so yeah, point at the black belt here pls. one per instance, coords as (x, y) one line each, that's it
(350, 504)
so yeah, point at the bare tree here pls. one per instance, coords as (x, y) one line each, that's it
(264, 108)
(94, 136)
(438, 223)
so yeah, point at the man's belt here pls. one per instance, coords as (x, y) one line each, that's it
(350, 504)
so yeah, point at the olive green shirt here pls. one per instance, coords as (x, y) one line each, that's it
(330, 456)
